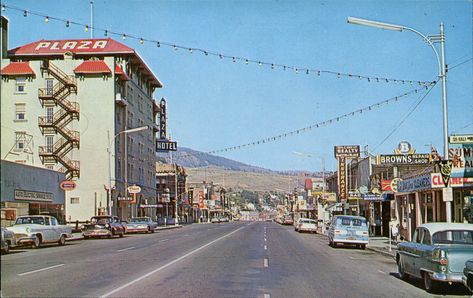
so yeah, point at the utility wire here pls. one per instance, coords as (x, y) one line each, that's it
(272, 65)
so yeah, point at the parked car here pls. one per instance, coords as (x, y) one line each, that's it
(8, 240)
(437, 253)
(468, 275)
(38, 229)
(141, 224)
(224, 219)
(103, 226)
(306, 225)
(215, 220)
(348, 229)
(287, 220)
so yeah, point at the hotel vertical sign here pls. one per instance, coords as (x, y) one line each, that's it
(162, 119)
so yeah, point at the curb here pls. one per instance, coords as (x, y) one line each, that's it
(385, 253)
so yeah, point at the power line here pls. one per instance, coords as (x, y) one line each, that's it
(221, 56)
(320, 124)
(461, 63)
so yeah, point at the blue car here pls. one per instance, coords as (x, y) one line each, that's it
(348, 229)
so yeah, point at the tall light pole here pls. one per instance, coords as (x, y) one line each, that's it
(109, 149)
(430, 40)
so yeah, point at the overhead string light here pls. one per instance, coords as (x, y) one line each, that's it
(307, 70)
(321, 124)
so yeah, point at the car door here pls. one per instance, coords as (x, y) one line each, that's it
(417, 251)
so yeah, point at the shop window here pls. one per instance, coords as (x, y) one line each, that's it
(74, 200)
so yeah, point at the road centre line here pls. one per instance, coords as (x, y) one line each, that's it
(39, 270)
(125, 249)
(265, 263)
(267, 296)
(163, 240)
(168, 264)
(381, 272)
(265, 247)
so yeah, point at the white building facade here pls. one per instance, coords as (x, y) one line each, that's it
(66, 103)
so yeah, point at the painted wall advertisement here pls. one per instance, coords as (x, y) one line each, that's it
(461, 156)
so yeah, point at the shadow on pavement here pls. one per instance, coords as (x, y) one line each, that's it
(456, 289)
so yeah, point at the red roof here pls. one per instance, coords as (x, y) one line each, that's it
(93, 66)
(119, 71)
(76, 46)
(17, 68)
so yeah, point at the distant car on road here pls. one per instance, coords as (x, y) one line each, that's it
(215, 220)
(306, 225)
(348, 229)
(104, 225)
(38, 229)
(287, 220)
(8, 240)
(224, 219)
(141, 224)
(437, 253)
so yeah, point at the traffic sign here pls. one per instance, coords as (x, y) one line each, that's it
(134, 189)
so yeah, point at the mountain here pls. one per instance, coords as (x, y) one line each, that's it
(190, 158)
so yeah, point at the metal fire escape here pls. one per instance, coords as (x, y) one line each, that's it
(69, 111)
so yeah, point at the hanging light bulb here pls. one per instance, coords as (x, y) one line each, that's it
(234, 59)
(142, 41)
(297, 70)
(3, 7)
(220, 55)
(318, 73)
(175, 48)
(246, 61)
(25, 13)
(106, 33)
(206, 53)
(124, 36)
(158, 44)
(46, 19)
(272, 66)
(284, 67)
(190, 50)
(307, 71)
(260, 63)
(68, 24)
(86, 28)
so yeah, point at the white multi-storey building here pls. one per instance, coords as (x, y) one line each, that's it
(66, 103)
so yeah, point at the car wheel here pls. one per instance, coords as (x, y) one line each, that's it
(6, 249)
(122, 234)
(429, 285)
(62, 240)
(400, 269)
(363, 246)
(37, 242)
(149, 230)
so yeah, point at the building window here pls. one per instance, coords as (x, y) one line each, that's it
(20, 84)
(49, 144)
(74, 200)
(20, 140)
(49, 115)
(20, 111)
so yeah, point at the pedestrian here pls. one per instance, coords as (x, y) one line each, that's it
(394, 232)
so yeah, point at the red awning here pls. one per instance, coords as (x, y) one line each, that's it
(17, 69)
(92, 67)
(119, 71)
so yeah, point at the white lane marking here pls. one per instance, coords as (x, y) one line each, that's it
(168, 264)
(265, 262)
(267, 296)
(352, 258)
(381, 272)
(265, 239)
(39, 270)
(125, 249)
(265, 247)
(185, 235)
(163, 240)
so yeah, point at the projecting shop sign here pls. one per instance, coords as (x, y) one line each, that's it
(352, 151)
(415, 184)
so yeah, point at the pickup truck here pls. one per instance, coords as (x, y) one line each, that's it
(38, 229)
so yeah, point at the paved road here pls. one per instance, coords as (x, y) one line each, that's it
(238, 259)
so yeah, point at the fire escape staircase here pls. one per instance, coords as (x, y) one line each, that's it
(69, 111)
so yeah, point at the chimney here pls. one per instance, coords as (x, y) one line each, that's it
(3, 37)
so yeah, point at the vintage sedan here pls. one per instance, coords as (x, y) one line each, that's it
(305, 225)
(103, 226)
(141, 224)
(468, 275)
(8, 240)
(437, 253)
(38, 229)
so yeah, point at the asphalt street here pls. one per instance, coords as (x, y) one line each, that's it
(237, 259)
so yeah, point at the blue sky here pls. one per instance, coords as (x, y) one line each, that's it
(215, 103)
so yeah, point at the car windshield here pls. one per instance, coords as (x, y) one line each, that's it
(101, 220)
(140, 219)
(39, 220)
(453, 237)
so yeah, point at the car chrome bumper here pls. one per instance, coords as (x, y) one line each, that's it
(97, 233)
(468, 283)
(25, 240)
(136, 230)
(458, 277)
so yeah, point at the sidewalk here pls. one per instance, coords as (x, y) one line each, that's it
(381, 245)
(78, 236)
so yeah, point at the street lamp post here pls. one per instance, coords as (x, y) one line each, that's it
(430, 40)
(109, 149)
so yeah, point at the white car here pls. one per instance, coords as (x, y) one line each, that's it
(38, 229)
(306, 225)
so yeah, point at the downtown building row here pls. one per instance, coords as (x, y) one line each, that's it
(406, 189)
(83, 108)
